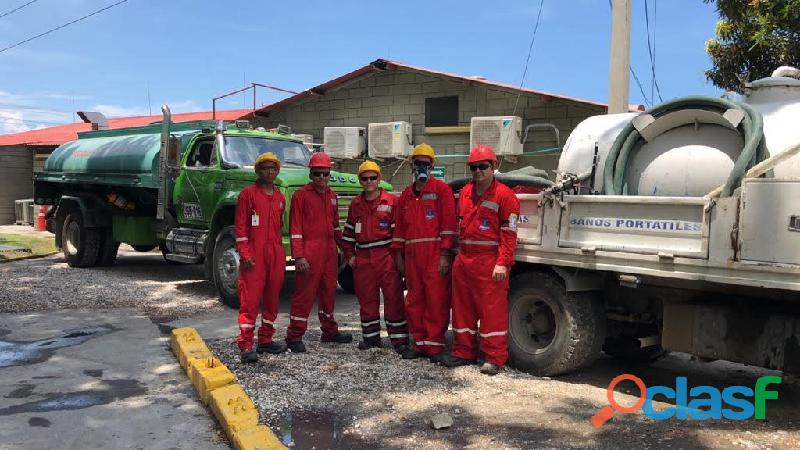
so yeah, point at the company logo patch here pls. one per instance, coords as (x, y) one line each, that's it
(384, 224)
(429, 213)
(484, 225)
(512, 222)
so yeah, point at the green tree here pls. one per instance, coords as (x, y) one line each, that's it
(753, 38)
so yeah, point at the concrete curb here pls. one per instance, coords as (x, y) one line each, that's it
(216, 385)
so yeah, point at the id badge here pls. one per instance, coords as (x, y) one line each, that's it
(254, 220)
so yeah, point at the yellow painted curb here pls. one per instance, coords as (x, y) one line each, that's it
(215, 384)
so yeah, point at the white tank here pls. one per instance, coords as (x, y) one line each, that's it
(778, 100)
(688, 152)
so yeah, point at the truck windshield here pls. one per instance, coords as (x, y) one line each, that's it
(244, 150)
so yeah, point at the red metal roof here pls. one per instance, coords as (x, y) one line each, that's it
(65, 133)
(380, 65)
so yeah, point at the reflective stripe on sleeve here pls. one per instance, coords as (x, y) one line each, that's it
(246, 325)
(468, 242)
(297, 236)
(374, 244)
(241, 239)
(491, 205)
(416, 241)
(348, 239)
(348, 226)
(464, 330)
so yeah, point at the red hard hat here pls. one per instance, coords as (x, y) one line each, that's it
(481, 153)
(320, 159)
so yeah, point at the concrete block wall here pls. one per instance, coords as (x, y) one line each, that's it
(400, 95)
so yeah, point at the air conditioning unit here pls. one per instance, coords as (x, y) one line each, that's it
(389, 140)
(502, 133)
(307, 139)
(23, 212)
(344, 142)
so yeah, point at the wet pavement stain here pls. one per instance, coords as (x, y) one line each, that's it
(321, 430)
(38, 422)
(112, 390)
(96, 373)
(23, 390)
(13, 353)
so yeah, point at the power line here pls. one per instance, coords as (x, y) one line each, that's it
(63, 26)
(651, 49)
(528, 59)
(641, 89)
(17, 9)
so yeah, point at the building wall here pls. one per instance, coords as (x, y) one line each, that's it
(400, 95)
(16, 179)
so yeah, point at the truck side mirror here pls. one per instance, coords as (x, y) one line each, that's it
(174, 152)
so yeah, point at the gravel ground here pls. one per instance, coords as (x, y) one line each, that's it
(139, 280)
(336, 396)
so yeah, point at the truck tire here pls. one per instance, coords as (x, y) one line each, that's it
(346, 280)
(143, 248)
(108, 248)
(552, 331)
(628, 349)
(81, 246)
(226, 267)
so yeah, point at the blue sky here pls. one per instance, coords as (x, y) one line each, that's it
(187, 51)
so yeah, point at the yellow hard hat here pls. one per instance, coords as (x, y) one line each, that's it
(424, 150)
(268, 157)
(369, 166)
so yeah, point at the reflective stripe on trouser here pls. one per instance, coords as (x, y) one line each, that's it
(319, 279)
(375, 272)
(428, 297)
(259, 288)
(476, 297)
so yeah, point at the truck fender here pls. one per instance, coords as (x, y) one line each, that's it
(576, 280)
(94, 214)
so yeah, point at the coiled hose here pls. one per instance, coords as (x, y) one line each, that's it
(629, 141)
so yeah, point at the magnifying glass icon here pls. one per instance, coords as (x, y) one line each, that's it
(607, 411)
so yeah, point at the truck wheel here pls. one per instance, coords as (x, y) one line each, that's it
(552, 331)
(108, 248)
(627, 348)
(80, 245)
(226, 267)
(143, 248)
(346, 280)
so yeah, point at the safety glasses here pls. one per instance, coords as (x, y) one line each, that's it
(268, 168)
(369, 178)
(481, 166)
(320, 174)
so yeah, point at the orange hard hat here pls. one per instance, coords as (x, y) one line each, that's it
(321, 160)
(481, 153)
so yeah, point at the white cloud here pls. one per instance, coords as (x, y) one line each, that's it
(186, 106)
(12, 122)
(118, 111)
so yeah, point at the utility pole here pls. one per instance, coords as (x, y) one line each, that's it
(619, 65)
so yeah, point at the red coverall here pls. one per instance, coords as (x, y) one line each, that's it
(425, 230)
(315, 233)
(257, 225)
(368, 236)
(487, 237)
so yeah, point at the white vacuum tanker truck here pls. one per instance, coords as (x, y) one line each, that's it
(676, 229)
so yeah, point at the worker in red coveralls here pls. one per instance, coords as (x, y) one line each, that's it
(423, 239)
(366, 240)
(488, 213)
(315, 235)
(258, 223)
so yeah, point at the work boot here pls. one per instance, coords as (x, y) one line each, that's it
(490, 369)
(454, 361)
(401, 348)
(248, 356)
(296, 346)
(367, 344)
(273, 347)
(438, 358)
(410, 353)
(338, 338)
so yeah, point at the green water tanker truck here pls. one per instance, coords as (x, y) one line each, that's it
(172, 186)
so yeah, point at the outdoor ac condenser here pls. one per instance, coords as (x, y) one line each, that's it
(389, 140)
(502, 133)
(344, 142)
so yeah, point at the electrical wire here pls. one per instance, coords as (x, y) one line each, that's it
(528, 59)
(651, 49)
(17, 9)
(63, 26)
(641, 89)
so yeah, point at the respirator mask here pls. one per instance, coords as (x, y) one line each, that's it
(421, 171)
